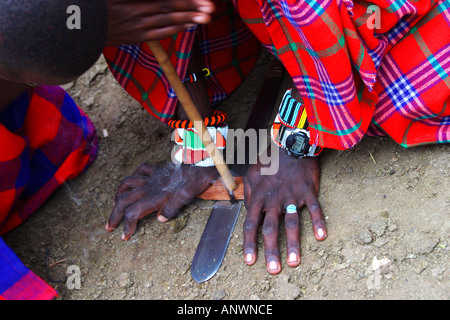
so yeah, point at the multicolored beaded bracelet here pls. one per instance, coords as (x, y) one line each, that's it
(215, 120)
(189, 148)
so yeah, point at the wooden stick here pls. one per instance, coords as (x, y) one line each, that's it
(193, 114)
(219, 192)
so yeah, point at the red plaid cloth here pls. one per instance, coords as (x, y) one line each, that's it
(352, 73)
(228, 48)
(378, 67)
(45, 140)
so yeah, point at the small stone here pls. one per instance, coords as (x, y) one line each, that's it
(316, 279)
(88, 102)
(383, 265)
(392, 227)
(364, 237)
(437, 271)
(380, 242)
(378, 228)
(124, 280)
(219, 295)
(425, 244)
(388, 276)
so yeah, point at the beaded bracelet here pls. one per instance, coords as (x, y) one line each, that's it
(189, 148)
(215, 120)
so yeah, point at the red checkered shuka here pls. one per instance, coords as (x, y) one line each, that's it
(228, 49)
(380, 66)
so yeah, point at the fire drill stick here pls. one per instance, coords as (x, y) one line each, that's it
(193, 114)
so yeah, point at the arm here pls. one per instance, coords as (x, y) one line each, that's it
(136, 21)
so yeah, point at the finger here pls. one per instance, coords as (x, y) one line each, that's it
(122, 202)
(251, 227)
(145, 169)
(315, 211)
(130, 183)
(270, 231)
(154, 7)
(292, 226)
(175, 18)
(139, 210)
(180, 198)
(206, 7)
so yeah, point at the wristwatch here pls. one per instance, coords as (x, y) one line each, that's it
(296, 142)
(290, 129)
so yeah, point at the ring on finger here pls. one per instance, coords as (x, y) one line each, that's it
(291, 209)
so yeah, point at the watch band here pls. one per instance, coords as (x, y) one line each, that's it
(292, 113)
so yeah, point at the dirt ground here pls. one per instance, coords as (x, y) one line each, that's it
(387, 212)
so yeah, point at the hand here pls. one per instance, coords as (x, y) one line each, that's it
(296, 182)
(165, 190)
(136, 21)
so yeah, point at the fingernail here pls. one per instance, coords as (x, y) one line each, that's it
(293, 257)
(248, 257)
(320, 232)
(123, 236)
(199, 19)
(273, 266)
(162, 219)
(205, 9)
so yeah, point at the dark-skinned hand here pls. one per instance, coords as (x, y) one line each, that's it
(266, 198)
(165, 190)
(136, 21)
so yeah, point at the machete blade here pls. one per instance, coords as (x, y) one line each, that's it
(214, 242)
(215, 239)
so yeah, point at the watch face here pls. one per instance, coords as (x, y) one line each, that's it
(298, 144)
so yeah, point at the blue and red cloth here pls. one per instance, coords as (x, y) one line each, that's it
(45, 140)
(17, 282)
